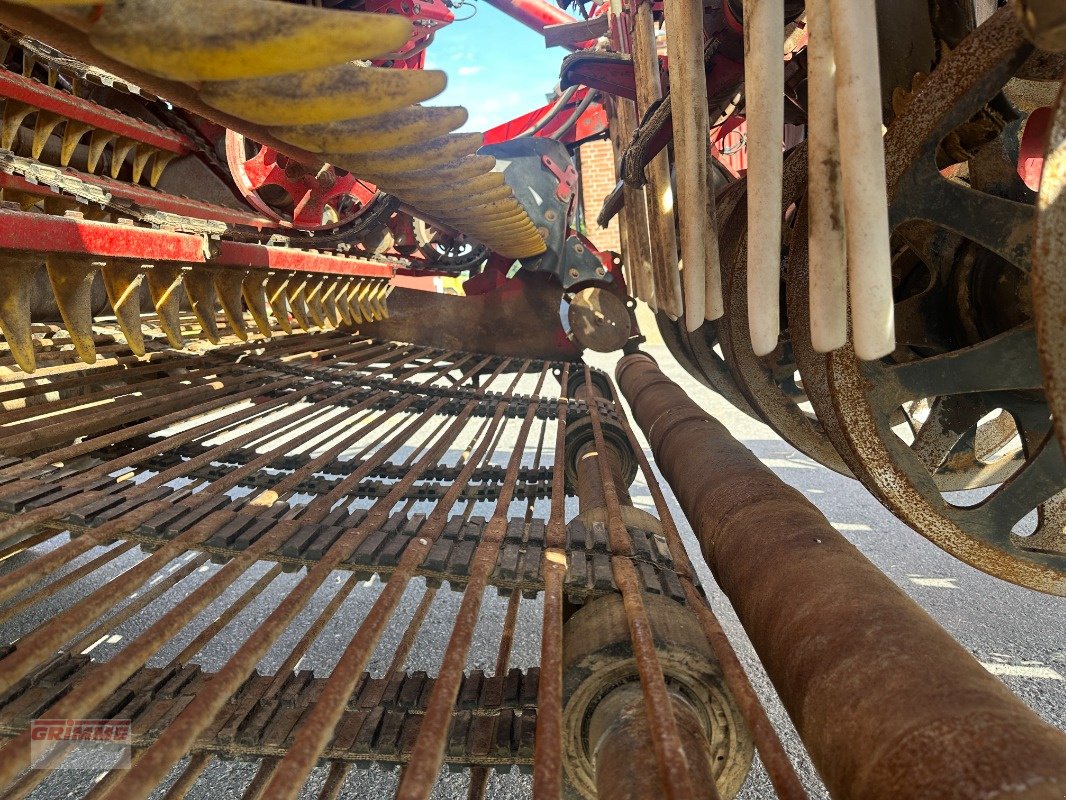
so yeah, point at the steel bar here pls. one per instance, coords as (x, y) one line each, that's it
(944, 726)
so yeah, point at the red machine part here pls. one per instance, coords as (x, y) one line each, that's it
(591, 122)
(46, 233)
(427, 16)
(292, 193)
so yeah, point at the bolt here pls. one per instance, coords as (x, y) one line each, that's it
(550, 215)
(579, 248)
(601, 271)
(574, 273)
(543, 232)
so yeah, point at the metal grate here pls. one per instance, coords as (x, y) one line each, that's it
(191, 543)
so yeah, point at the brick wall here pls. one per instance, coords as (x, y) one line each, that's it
(597, 181)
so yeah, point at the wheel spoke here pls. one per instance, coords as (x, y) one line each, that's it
(949, 429)
(1041, 478)
(1005, 362)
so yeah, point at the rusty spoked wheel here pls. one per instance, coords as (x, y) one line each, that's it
(965, 280)
(447, 252)
(769, 383)
(1049, 277)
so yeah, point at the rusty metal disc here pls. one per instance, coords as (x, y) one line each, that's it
(769, 383)
(599, 320)
(1049, 277)
(980, 365)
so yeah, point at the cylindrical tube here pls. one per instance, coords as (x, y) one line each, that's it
(887, 703)
(764, 97)
(622, 738)
(827, 254)
(688, 98)
(862, 164)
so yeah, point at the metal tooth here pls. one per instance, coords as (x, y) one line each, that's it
(330, 289)
(313, 290)
(118, 154)
(29, 61)
(97, 142)
(162, 160)
(295, 292)
(351, 301)
(72, 280)
(72, 134)
(45, 125)
(16, 281)
(435, 152)
(200, 286)
(254, 292)
(53, 76)
(275, 288)
(222, 40)
(14, 115)
(141, 155)
(398, 128)
(228, 284)
(165, 286)
(123, 285)
(342, 92)
(365, 311)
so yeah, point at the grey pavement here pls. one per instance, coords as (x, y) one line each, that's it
(1019, 634)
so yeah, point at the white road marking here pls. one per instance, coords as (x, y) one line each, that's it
(936, 583)
(1022, 671)
(850, 526)
(784, 463)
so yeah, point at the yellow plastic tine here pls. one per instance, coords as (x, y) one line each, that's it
(499, 199)
(420, 156)
(16, 292)
(165, 286)
(46, 123)
(458, 171)
(123, 284)
(253, 289)
(228, 286)
(200, 286)
(224, 40)
(341, 92)
(72, 281)
(99, 140)
(276, 286)
(462, 191)
(405, 126)
(330, 292)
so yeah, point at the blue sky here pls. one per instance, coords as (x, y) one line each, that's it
(497, 67)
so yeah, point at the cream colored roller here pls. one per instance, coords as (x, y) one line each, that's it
(764, 88)
(825, 203)
(862, 162)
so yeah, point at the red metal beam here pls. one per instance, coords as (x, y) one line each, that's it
(36, 94)
(538, 15)
(45, 233)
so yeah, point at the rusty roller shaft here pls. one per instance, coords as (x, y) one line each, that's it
(923, 718)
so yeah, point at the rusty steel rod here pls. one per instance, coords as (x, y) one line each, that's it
(887, 703)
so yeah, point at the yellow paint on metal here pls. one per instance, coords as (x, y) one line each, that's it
(200, 286)
(275, 291)
(253, 290)
(72, 280)
(222, 40)
(165, 287)
(295, 291)
(228, 285)
(342, 92)
(313, 297)
(16, 281)
(400, 128)
(123, 284)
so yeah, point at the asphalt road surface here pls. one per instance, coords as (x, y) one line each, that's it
(1018, 634)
